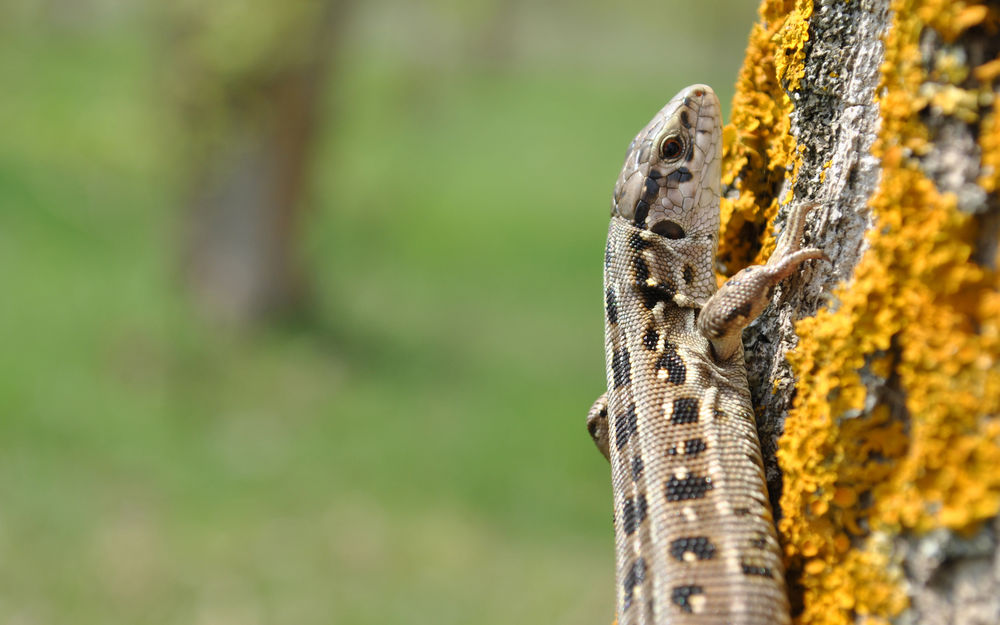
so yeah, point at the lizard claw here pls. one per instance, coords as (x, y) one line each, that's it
(791, 238)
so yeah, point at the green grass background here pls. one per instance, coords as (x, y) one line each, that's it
(415, 451)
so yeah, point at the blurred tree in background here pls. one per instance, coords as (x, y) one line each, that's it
(248, 79)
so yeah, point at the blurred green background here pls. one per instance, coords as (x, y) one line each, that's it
(401, 438)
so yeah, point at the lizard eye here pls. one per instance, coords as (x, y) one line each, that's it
(671, 148)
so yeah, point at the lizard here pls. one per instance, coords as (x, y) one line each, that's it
(695, 539)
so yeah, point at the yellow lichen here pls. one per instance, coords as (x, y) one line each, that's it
(758, 148)
(950, 67)
(895, 427)
(988, 71)
(950, 100)
(989, 144)
(789, 46)
(822, 174)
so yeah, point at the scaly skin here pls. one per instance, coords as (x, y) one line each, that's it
(694, 537)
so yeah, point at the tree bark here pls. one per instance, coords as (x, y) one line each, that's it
(876, 376)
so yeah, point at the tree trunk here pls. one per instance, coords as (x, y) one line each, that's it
(876, 376)
(250, 97)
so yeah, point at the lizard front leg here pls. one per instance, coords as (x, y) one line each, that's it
(744, 296)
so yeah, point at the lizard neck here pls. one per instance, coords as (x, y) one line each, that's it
(677, 272)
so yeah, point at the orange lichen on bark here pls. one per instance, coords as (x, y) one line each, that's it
(896, 424)
(758, 148)
(989, 144)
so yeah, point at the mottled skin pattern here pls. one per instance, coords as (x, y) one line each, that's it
(694, 536)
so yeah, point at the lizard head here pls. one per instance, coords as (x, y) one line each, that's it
(670, 181)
